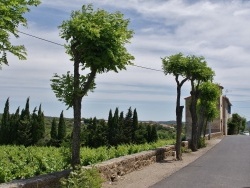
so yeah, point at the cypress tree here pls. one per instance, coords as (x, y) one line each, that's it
(5, 124)
(24, 136)
(134, 125)
(154, 136)
(149, 130)
(61, 128)
(115, 122)
(120, 132)
(128, 126)
(110, 126)
(53, 131)
(34, 126)
(14, 119)
(41, 124)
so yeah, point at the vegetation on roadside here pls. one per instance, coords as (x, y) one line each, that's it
(84, 178)
(19, 162)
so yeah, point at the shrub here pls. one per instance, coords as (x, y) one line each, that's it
(202, 142)
(84, 178)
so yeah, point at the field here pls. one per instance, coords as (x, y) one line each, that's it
(19, 162)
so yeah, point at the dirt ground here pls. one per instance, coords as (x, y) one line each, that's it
(154, 173)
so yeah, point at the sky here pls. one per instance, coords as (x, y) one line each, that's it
(218, 30)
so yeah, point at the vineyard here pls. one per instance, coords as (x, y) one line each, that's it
(19, 162)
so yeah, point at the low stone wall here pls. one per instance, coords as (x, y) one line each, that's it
(110, 169)
(214, 135)
(113, 168)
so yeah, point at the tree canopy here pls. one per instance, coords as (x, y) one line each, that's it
(12, 12)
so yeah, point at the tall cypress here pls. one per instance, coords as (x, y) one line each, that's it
(53, 131)
(154, 135)
(14, 120)
(120, 133)
(134, 125)
(24, 136)
(128, 126)
(41, 123)
(34, 127)
(61, 128)
(110, 126)
(5, 124)
(115, 122)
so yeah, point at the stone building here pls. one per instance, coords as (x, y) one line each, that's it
(217, 125)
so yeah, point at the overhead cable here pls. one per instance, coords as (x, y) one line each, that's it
(46, 40)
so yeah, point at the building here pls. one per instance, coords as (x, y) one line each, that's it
(217, 125)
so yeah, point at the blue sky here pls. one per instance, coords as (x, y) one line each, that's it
(217, 29)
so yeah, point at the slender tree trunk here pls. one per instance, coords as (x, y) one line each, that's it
(201, 121)
(77, 99)
(193, 111)
(76, 143)
(179, 110)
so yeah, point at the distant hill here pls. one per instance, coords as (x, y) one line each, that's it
(171, 122)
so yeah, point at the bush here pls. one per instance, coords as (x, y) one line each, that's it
(202, 142)
(84, 178)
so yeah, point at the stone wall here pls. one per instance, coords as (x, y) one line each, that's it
(110, 169)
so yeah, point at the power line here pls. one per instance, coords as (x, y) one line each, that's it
(30, 35)
(41, 38)
(147, 68)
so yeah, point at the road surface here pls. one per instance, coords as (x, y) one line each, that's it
(226, 165)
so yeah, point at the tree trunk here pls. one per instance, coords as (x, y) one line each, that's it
(194, 137)
(77, 99)
(76, 143)
(179, 110)
(201, 121)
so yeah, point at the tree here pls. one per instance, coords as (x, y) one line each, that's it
(34, 126)
(53, 131)
(96, 43)
(14, 126)
(198, 72)
(61, 128)
(135, 124)
(128, 126)
(236, 124)
(24, 136)
(12, 12)
(41, 123)
(177, 65)
(207, 105)
(5, 124)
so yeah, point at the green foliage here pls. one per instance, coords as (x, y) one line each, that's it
(236, 124)
(24, 131)
(18, 162)
(84, 178)
(53, 132)
(202, 142)
(96, 40)
(207, 105)
(61, 128)
(12, 12)
(5, 126)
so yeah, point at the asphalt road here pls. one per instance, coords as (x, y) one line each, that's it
(225, 165)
